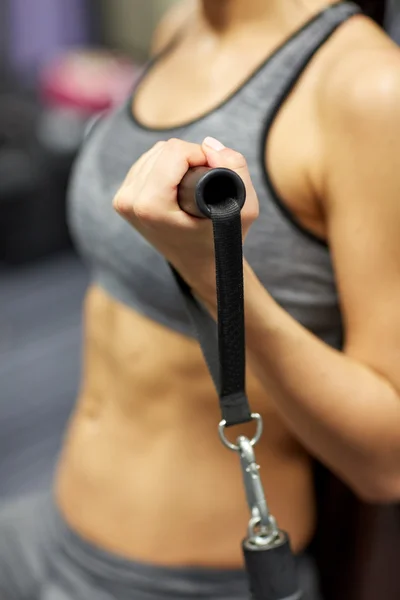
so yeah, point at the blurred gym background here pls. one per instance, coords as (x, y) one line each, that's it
(61, 63)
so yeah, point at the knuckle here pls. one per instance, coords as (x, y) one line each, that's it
(175, 144)
(142, 211)
(251, 210)
(159, 145)
(121, 202)
(255, 213)
(236, 160)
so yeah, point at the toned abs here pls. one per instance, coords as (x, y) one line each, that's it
(143, 471)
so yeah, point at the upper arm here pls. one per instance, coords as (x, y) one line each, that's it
(362, 204)
(170, 24)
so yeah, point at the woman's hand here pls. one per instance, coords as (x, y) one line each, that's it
(147, 199)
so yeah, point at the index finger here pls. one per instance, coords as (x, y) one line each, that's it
(175, 159)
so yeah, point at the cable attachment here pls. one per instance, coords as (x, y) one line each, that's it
(262, 529)
(270, 564)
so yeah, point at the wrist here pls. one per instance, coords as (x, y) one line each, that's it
(202, 285)
(208, 298)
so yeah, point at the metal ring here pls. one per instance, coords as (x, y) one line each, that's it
(221, 431)
(264, 536)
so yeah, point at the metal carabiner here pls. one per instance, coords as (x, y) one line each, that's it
(262, 523)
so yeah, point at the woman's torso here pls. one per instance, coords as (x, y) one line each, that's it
(143, 472)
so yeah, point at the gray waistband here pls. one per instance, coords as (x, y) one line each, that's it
(179, 581)
(155, 581)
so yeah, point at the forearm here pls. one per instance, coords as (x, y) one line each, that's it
(342, 411)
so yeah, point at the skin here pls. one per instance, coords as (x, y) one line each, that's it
(142, 471)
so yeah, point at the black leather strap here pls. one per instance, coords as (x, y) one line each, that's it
(224, 346)
(271, 568)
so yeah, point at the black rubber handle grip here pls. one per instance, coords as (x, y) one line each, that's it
(202, 187)
(272, 572)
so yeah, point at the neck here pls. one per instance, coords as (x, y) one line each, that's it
(227, 15)
(224, 14)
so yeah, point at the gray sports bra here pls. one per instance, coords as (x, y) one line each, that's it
(291, 263)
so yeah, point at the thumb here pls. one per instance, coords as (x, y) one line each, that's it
(219, 156)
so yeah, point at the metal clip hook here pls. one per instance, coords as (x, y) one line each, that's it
(254, 490)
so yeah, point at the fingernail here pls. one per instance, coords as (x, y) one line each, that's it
(214, 144)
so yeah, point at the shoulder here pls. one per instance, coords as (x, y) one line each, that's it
(359, 81)
(170, 24)
(358, 93)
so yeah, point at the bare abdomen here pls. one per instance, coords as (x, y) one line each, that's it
(143, 472)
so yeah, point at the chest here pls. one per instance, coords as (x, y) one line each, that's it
(295, 270)
(290, 150)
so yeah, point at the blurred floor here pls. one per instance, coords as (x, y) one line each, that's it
(40, 343)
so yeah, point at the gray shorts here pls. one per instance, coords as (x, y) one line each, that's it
(42, 559)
